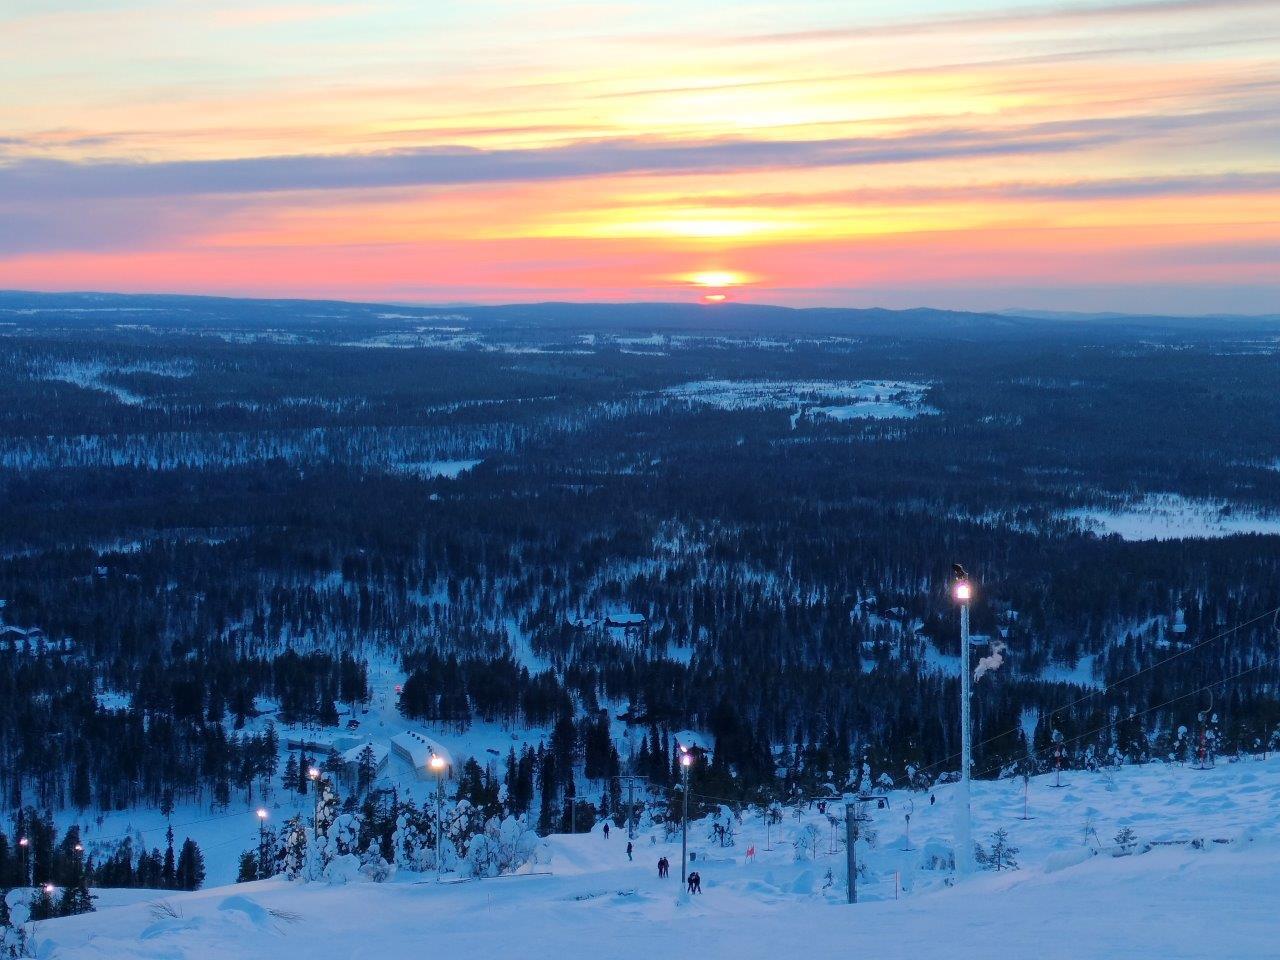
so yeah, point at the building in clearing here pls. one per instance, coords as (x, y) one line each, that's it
(351, 761)
(622, 625)
(417, 749)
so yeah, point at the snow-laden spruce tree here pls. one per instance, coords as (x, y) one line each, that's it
(13, 939)
(461, 822)
(292, 850)
(340, 850)
(326, 813)
(414, 842)
(326, 806)
(503, 846)
(374, 866)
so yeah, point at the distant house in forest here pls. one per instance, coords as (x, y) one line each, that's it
(625, 625)
(32, 641)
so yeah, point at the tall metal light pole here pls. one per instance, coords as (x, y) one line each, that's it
(314, 774)
(631, 788)
(438, 764)
(28, 874)
(963, 592)
(851, 850)
(686, 761)
(262, 843)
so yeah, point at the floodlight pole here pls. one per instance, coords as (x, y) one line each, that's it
(850, 849)
(686, 761)
(438, 764)
(964, 825)
(263, 846)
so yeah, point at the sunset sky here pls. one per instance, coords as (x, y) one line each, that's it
(1065, 156)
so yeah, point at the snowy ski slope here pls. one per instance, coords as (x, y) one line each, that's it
(1072, 897)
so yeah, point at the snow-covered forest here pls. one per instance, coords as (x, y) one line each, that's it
(261, 556)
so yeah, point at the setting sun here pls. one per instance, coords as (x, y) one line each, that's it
(717, 278)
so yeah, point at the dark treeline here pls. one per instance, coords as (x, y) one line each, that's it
(61, 870)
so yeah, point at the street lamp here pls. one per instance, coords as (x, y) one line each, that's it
(27, 872)
(314, 774)
(439, 764)
(962, 591)
(262, 843)
(686, 761)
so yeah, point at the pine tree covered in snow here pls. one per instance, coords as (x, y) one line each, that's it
(414, 842)
(340, 849)
(503, 846)
(13, 939)
(291, 854)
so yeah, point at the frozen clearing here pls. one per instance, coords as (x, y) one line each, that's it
(92, 374)
(1072, 897)
(1168, 516)
(430, 469)
(836, 399)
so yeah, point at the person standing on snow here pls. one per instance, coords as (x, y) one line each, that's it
(629, 848)
(606, 831)
(695, 882)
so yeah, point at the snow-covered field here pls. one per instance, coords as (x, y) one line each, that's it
(838, 400)
(449, 469)
(1072, 898)
(91, 375)
(1168, 516)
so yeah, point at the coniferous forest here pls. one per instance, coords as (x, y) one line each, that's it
(580, 519)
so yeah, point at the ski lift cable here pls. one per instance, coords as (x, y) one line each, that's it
(1159, 706)
(1159, 663)
(1273, 613)
(138, 831)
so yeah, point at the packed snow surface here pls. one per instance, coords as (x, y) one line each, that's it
(1168, 516)
(1072, 897)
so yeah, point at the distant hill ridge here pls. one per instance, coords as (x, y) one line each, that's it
(755, 319)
